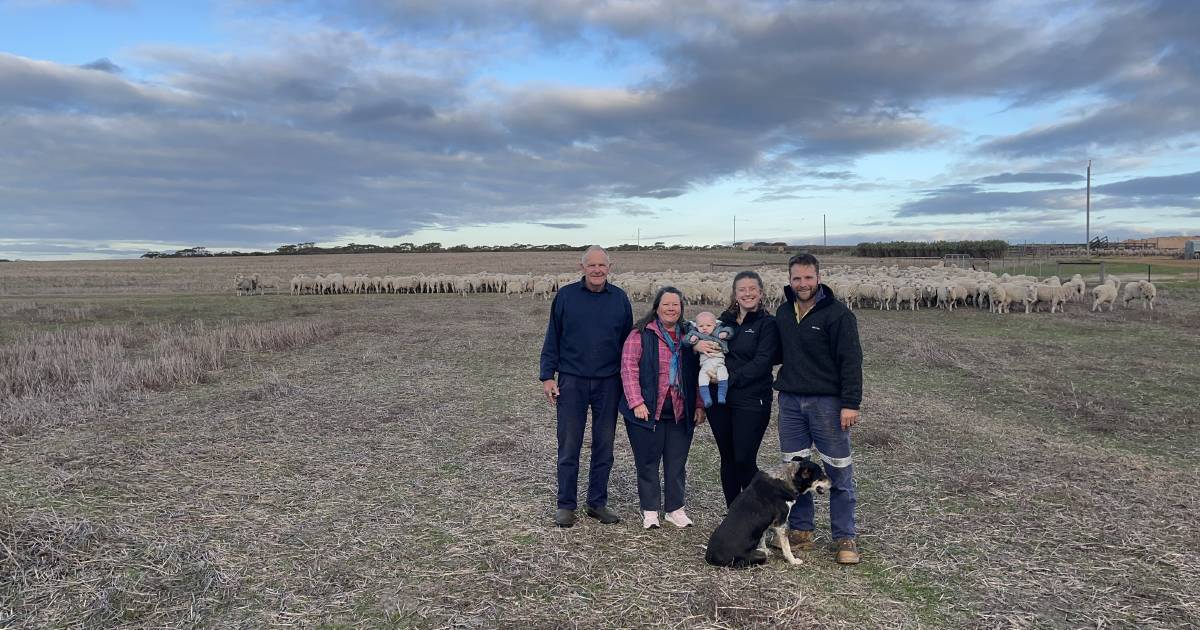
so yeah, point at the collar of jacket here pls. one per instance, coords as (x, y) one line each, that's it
(730, 319)
(823, 292)
(583, 285)
(653, 325)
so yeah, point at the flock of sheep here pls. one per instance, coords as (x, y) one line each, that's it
(879, 287)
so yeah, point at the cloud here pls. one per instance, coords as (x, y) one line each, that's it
(381, 117)
(1178, 191)
(1032, 178)
(563, 226)
(103, 65)
(971, 199)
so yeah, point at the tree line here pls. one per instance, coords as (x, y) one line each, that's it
(919, 249)
(414, 248)
(977, 249)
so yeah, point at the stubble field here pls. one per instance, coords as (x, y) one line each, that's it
(387, 461)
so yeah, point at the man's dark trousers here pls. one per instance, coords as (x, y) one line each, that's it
(575, 395)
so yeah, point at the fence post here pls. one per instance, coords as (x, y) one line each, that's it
(1101, 272)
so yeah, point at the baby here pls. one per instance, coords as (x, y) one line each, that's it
(708, 328)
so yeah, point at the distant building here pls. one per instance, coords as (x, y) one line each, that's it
(1160, 242)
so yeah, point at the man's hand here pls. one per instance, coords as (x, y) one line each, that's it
(849, 418)
(641, 412)
(712, 374)
(550, 387)
(700, 416)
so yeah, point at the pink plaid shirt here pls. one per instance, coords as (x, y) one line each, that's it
(631, 355)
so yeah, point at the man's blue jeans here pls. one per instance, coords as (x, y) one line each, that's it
(808, 421)
(575, 395)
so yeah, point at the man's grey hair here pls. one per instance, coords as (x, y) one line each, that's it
(594, 248)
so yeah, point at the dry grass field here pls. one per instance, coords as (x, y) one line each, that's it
(174, 456)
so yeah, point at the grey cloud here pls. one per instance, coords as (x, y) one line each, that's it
(1032, 178)
(104, 65)
(1181, 191)
(842, 175)
(1184, 184)
(337, 131)
(42, 85)
(394, 108)
(971, 199)
(563, 226)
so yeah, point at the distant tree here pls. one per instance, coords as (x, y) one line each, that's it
(152, 255)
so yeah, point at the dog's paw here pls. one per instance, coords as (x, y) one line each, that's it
(795, 561)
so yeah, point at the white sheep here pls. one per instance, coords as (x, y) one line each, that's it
(1104, 294)
(1142, 290)
(1149, 293)
(1055, 295)
(245, 285)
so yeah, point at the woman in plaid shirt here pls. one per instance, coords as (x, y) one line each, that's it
(661, 406)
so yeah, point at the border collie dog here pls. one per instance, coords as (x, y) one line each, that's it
(740, 540)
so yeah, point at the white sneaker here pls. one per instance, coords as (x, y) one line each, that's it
(650, 519)
(679, 518)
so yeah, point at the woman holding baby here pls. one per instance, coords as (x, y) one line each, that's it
(738, 423)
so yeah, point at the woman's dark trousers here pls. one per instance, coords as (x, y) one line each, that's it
(667, 444)
(738, 433)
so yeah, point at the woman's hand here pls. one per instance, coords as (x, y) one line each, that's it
(641, 412)
(708, 347)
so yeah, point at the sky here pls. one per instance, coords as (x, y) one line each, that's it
(129, 126)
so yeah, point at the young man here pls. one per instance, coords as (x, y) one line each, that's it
(820, 389)
(589, 321)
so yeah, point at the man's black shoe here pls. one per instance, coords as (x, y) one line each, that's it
(604, 514)
(564, 517)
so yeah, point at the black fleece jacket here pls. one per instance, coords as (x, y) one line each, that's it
(821, 353)
(752, 350)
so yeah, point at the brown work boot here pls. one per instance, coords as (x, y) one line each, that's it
(800, 540)
(847, 551)
(797, 539)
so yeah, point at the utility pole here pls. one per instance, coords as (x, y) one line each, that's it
(734, 231)
(639, 239)
(1088, 247)
(824, 233)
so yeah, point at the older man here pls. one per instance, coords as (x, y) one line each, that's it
(589, 321)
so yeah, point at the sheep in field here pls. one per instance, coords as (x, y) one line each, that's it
(906, 295)
(997, 301)
(1149, 293)
(245, 285)
(1142, 290)
(1104, 294)
(1055, 295)
(270, 282)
